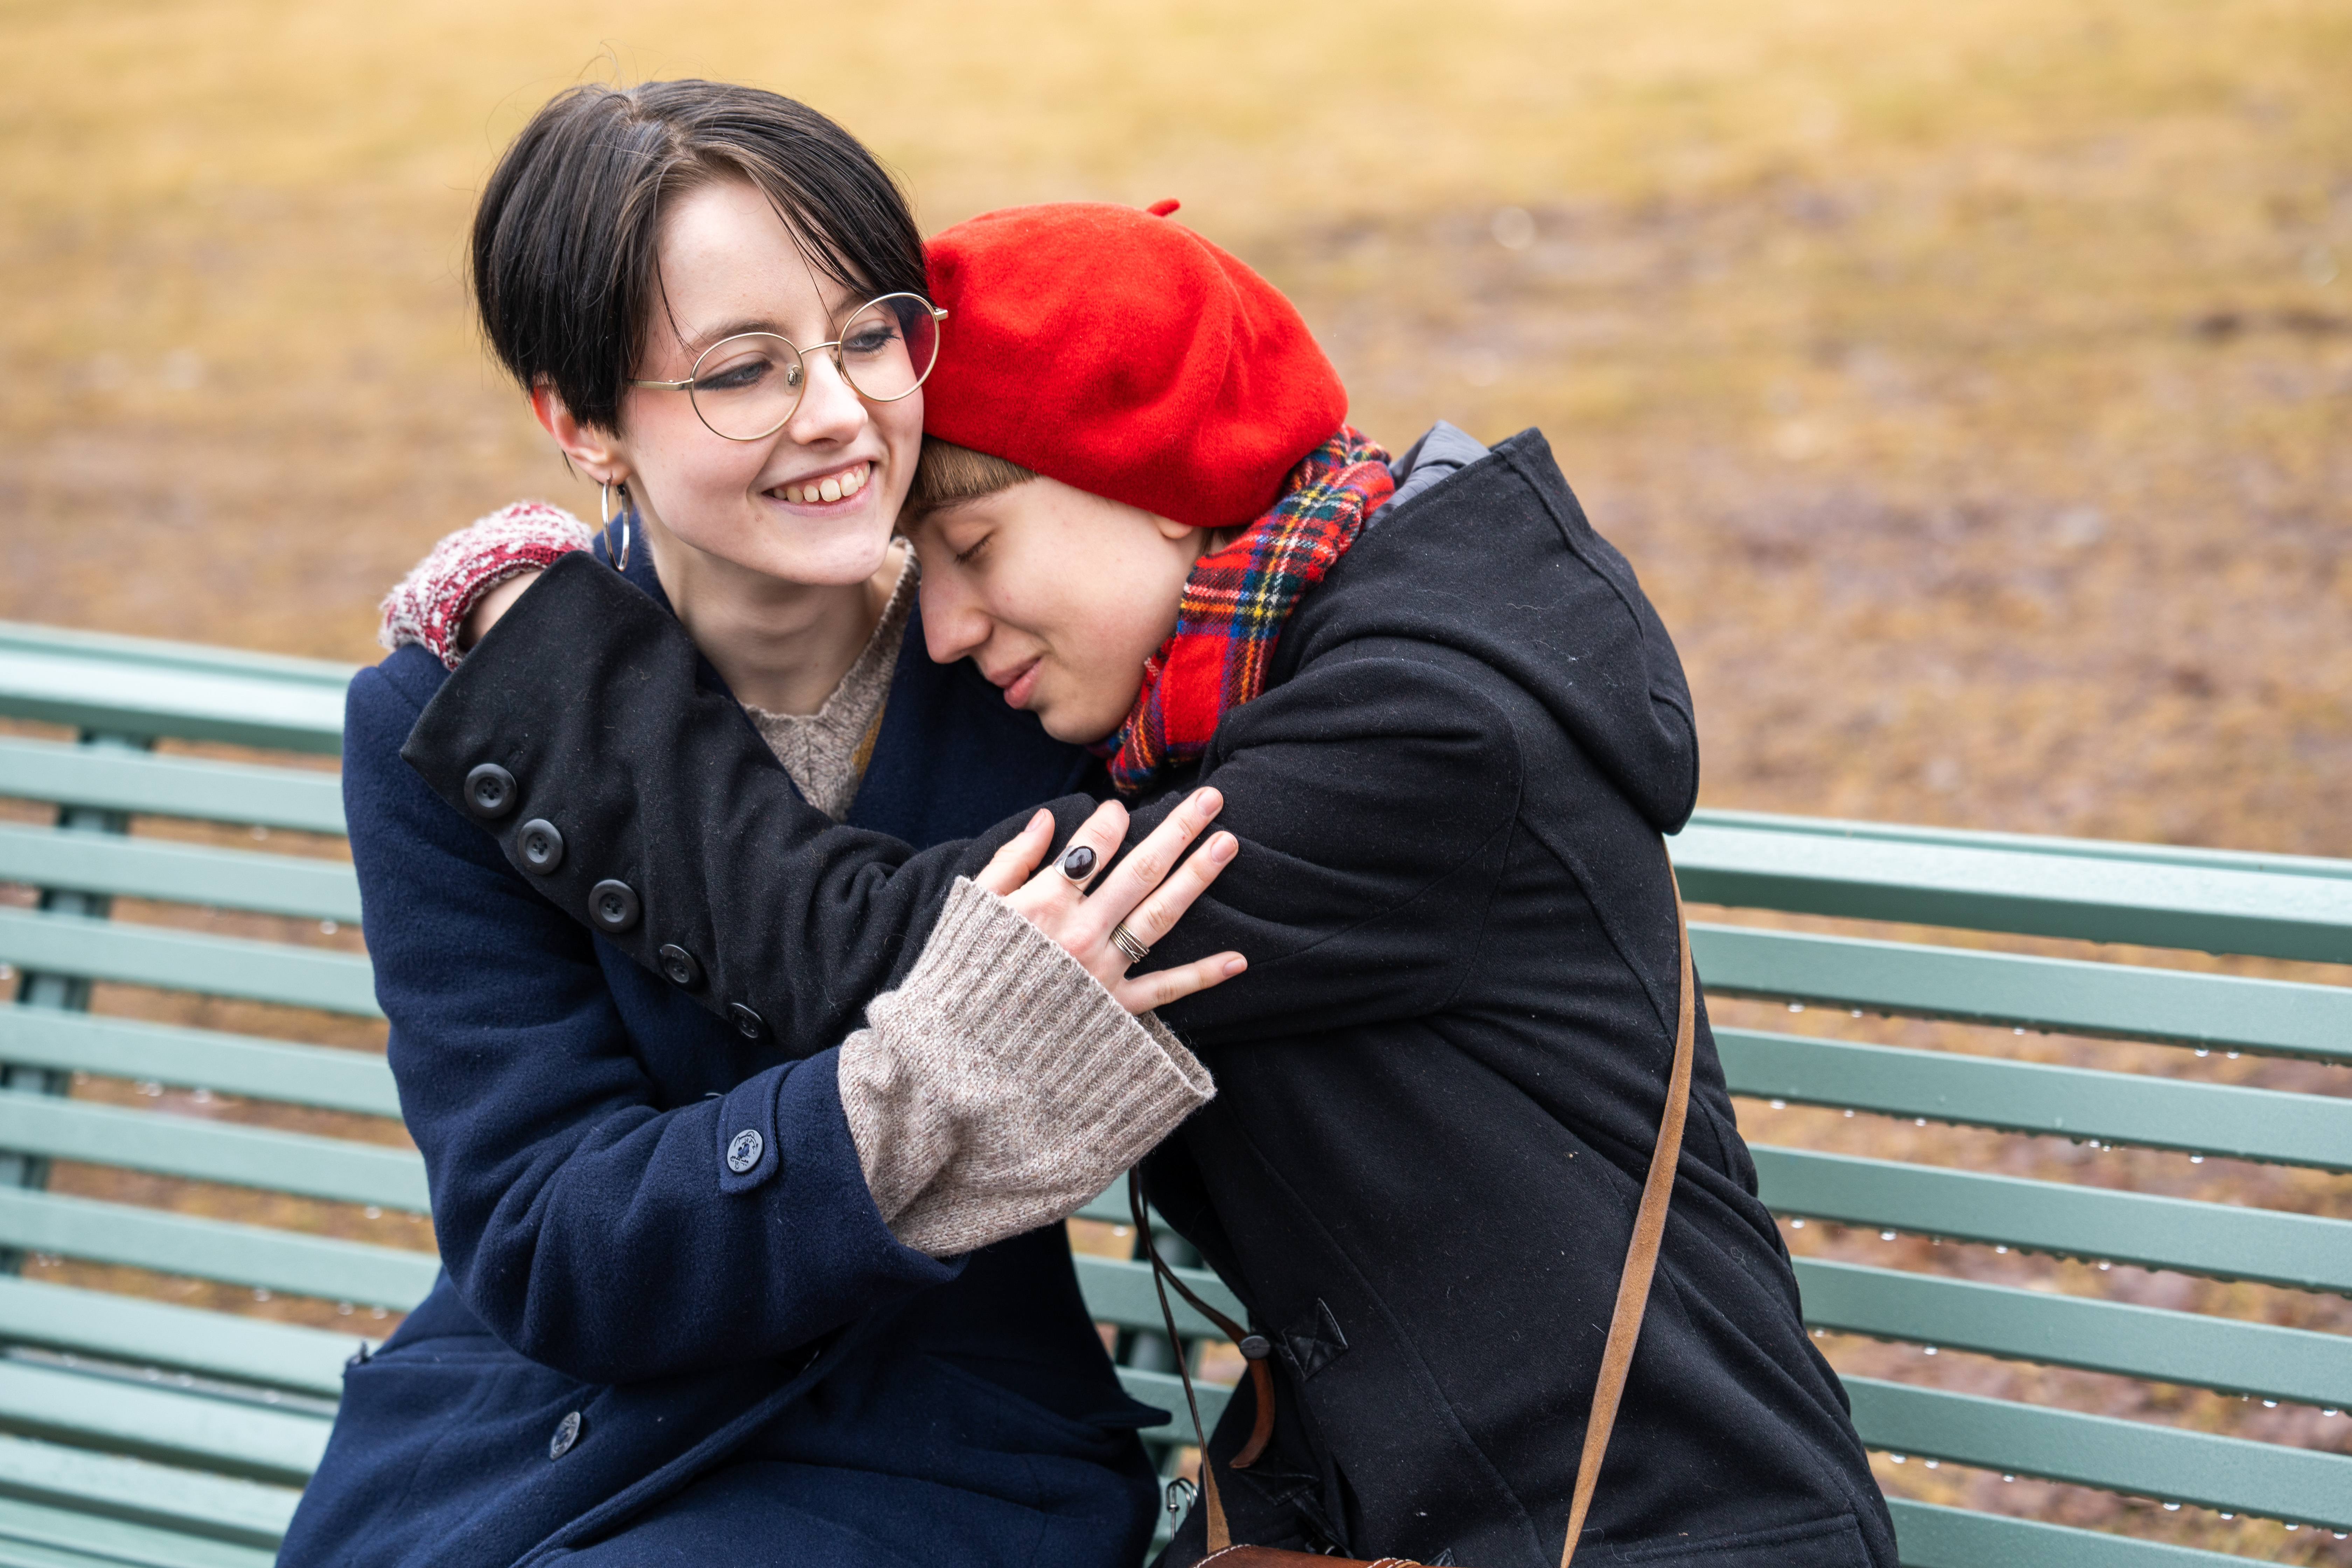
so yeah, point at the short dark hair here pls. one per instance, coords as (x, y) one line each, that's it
(566, 240)
(947, 475)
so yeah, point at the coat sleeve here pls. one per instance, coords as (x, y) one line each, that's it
(1373, 795)
(592, 1229)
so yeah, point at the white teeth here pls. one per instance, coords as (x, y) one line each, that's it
(833, 488)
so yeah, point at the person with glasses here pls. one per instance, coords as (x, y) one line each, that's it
(680, 1319)
(1448, 728)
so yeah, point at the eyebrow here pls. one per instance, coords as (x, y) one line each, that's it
(700, 340)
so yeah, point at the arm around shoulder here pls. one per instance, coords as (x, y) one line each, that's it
(590, 1227)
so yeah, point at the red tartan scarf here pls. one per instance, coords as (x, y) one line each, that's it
(1236, 602)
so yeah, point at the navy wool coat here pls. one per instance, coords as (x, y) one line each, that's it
(1441, 1079)
(635, 1352)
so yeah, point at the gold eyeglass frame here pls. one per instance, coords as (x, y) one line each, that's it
(686, 386)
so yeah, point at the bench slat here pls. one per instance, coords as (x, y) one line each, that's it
(1119, 1291)
(1930, 1536)
(184, 1339)
(2299, 1485)
(34, 1533)
(325, 1266)
(2030, 1097)
(1165, 1391)
(243, 1065)
(141, 686)
(2064, 995)
(2220, 903)
(2300, 1251)
(180, 873)
(224, 1435)
(332, 1168)
(226, 1508)
(308, 801)
(185, 961)
(2076, 1330)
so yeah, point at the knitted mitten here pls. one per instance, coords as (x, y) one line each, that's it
(431, 602)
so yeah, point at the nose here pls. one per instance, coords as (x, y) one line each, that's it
(954, 625)
(830, 410)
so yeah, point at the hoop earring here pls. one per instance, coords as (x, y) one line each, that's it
(605, 513)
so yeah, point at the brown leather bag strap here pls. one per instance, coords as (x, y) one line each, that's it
(1641, 1256)
(1624, 1320)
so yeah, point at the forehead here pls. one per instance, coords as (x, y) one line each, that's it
(730, 263)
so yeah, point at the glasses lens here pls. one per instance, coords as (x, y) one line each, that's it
(746, 387)
(888, 348)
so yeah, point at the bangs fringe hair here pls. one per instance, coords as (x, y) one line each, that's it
(947, 475)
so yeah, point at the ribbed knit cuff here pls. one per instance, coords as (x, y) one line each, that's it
(1001, 1086)
(430, 604)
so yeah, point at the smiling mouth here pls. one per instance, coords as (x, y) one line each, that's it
(831, 488)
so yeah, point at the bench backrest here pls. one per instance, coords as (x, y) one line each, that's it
(186, 1118)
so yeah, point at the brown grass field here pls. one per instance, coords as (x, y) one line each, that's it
(1972, 385)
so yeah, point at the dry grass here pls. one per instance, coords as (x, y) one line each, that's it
(1970, 384)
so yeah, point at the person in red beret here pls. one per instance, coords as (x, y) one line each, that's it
(1447, 729)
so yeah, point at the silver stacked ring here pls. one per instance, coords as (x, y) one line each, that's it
(1125, 940)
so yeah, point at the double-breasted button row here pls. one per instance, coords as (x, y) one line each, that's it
(614, 907)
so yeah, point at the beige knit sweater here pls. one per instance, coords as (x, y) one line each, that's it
(1001, 1086)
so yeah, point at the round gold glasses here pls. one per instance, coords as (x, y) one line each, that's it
(745, 387)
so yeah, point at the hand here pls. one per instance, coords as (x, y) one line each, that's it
(495, 601)
(1141, 894)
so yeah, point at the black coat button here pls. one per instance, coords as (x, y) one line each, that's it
(680, 967)
(612, 906)
(489, 792)
(743, 1149)
(567, 1434)
(540, 846)
(748, 1024)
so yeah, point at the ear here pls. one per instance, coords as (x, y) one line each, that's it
(592, 451)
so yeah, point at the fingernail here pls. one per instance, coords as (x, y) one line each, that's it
(1208, 799)
(1043, 818)
(1225, 845)
(1234, 965)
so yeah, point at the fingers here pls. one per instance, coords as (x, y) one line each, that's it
(1098, 837)
(1052, 902)
(1140, 873)
(1010, 866)
(1162, 908)
(1145, 993)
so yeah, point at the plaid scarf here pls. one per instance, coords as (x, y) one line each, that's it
(1236, 602)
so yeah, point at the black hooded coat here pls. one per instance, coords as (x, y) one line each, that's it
(1440, 1079)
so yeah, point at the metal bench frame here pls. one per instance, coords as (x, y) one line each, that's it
(134, 1431)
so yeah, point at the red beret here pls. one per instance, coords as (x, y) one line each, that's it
(1121, 353)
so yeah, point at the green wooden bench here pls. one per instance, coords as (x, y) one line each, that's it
(135, 1429)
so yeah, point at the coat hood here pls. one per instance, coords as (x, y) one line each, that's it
(1499, 562)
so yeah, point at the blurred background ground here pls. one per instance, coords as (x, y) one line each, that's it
(1969, 385)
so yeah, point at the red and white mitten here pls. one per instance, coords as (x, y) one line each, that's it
(432, 601)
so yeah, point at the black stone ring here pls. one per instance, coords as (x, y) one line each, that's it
(1079, 863)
